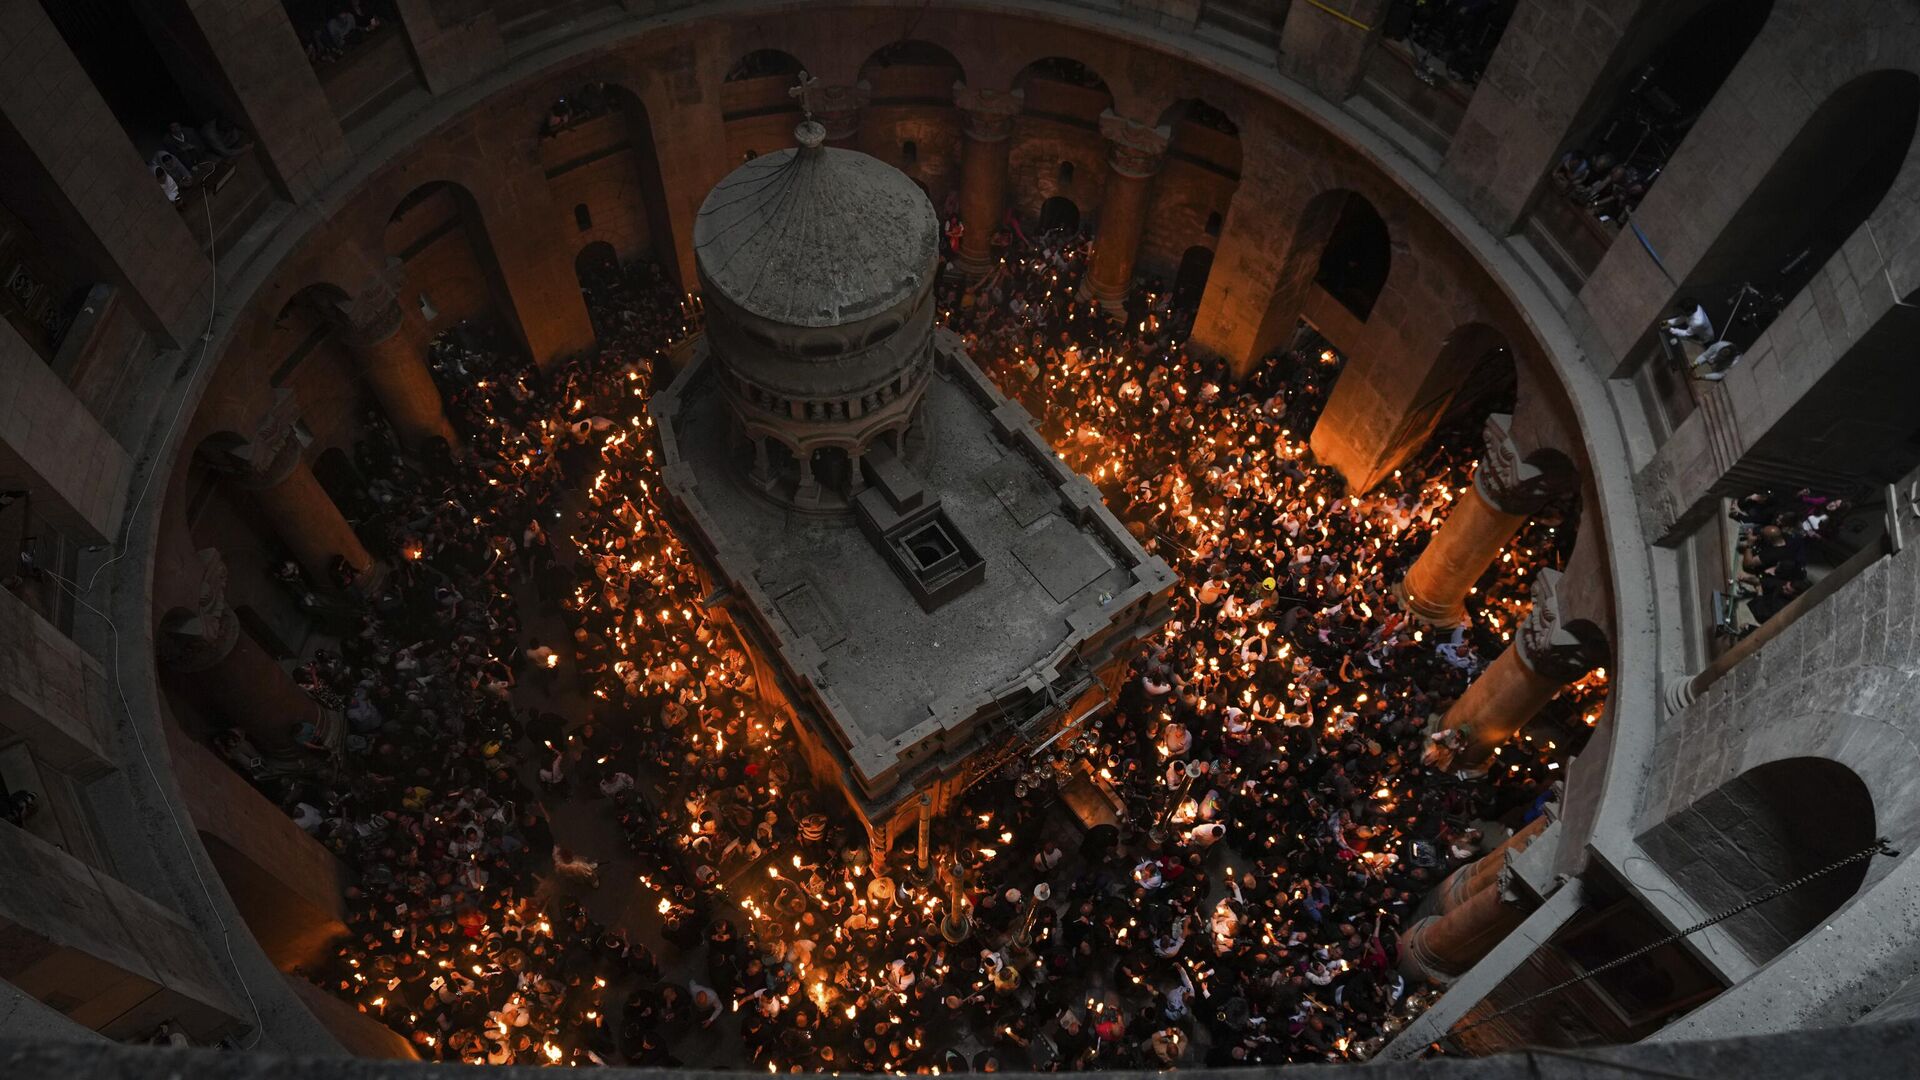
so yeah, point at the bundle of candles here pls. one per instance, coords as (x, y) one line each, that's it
(1277, 822)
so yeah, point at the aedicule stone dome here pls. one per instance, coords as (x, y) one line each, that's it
(816, 236)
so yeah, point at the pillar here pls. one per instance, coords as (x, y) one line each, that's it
(807, 491)
(451, 55)
(397, 373)
(1543, 657)
(1464, 883)
(281, 103)
(61, 130)
(838, 111)
(304, 516)
(101, 953)
(988, 126)
(1134, 154)
(52, 448)
(1441, 947)
(1504, 493)
(1325, 44)
(245, 686)
(52, 693)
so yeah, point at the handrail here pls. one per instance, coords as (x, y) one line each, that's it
(1686, 693)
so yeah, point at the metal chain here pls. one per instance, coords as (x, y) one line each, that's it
(1880, 846)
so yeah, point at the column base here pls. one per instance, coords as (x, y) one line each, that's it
(1417, 963)
(1113, 303)
(974, 267)
(1430, 614)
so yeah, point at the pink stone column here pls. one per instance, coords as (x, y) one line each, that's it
(1543, 657)
(1505, 492)
(1134, 155)
(988, 129)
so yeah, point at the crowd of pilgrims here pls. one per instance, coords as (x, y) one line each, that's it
(540, 642)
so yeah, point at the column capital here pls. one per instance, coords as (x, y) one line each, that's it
(989, 113)
(373, 319)
(1506, 480)
(1133, 149)
(197, 638)
(1545, 644)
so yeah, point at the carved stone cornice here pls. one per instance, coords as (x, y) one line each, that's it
(197, 639)
(1545, 644)
(1505, 479)
(1134, 149)
(373, 320)
(988, 113)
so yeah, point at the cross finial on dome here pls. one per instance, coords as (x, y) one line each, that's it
(808, 92)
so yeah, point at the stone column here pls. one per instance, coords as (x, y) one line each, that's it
(807, 491)
(1461, 885)
(1441, 947)
(838, 110)
(273, 471)
(1134, 154)
(305, 517)
(762, 461)
(988, 123)
(1543, 657)
(1505, 492)
(397, 373)
(246, 686)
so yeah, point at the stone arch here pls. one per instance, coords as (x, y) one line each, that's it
(911, 72)
(756, 106)
(1478, 372)
(438, 235)
(1194, 191)
(1760, 829)
(1064, 88)
(764, 63)
(1814, 196)
(1356, 257)
(1059, 212)
(596, 257)
(908, 118)
(598, 152)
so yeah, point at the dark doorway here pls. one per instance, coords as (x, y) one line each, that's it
(1059, 214)
(1190, 282)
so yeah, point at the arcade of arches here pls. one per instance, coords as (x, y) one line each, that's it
(1530, 460)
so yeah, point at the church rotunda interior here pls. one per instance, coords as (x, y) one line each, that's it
(930, 535)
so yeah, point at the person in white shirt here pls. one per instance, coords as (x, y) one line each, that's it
(1690, 322)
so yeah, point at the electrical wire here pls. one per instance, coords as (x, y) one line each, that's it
(1880, 846)
(78, 596)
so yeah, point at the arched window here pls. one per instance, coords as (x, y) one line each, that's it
(910, 152)
(1064, 174)
(1213, 224)
(1355, 261)
(583, 217)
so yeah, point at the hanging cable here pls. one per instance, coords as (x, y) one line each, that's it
(1880, 846)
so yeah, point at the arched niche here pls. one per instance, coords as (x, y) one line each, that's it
(1357, 256)
(603, 169)
(1766, 827)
